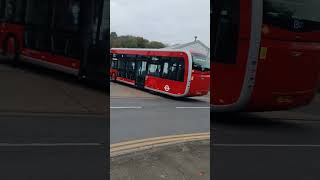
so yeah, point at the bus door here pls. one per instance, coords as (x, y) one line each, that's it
(236, 38)
(141, 72)
(94, 36)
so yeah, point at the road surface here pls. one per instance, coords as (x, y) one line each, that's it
(137, 114)
(48, 123)
(264, 146)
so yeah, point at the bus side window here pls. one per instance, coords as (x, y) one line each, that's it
(181, 70)
(154, 67)
(225, 30)
(173, 69)
(122, 67)
(115, 64)
(113, 61)
(2, 9)
(165, 71)
(129, 71)
(11, 10)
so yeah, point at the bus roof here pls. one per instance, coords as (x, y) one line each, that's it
(192, 52)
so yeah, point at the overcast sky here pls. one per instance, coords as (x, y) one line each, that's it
(168, 21)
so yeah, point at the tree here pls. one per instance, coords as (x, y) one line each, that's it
(113, 35)
(141, 42)
(132, 42)
(156, 45)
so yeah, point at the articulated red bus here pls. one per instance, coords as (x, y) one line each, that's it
(172, 72)
(266, 54)
(68, 35)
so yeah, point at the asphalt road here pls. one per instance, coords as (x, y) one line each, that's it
(50, 122)
(264, 146)
(136, 114)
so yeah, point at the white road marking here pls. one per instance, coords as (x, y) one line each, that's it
(268, 145)
(129, 107)
(192, 107)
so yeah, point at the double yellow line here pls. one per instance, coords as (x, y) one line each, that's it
(144, 144)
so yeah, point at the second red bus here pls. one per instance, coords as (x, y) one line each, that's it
(175, 73)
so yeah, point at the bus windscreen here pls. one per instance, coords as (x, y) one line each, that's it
(200, 63)
(296, 16)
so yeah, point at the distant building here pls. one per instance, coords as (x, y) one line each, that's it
(196, 46)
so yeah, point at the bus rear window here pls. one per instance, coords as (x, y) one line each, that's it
(296, 16)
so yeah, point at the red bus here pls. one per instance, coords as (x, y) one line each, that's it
(175, 73)
(69, 35)
(266, 54)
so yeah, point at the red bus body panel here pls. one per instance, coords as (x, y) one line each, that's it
(287, 77)
(48, 57)
(175, 87)
(200, 83)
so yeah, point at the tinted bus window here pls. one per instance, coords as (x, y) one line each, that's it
(2, 9)
(180, 72)
(298, 15)
(67, 15)
(173, 69)
(154, 69)
(74, 48)
(225, 30)
(14, 10)
(114, 64)
(122, 68)
(165, 72)
(38, 13)
(104, 29)
(38, 40)
(130, 69)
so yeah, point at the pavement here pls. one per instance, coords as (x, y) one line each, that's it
(269, 145)
(138, 114)
(173, 162)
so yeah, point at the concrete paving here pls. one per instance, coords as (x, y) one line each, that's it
(174, 162)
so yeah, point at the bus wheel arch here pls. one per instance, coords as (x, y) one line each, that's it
(114, 77)
(11, 43)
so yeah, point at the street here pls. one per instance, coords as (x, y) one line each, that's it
(269, 145)
(49, 122)
(137, 114)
